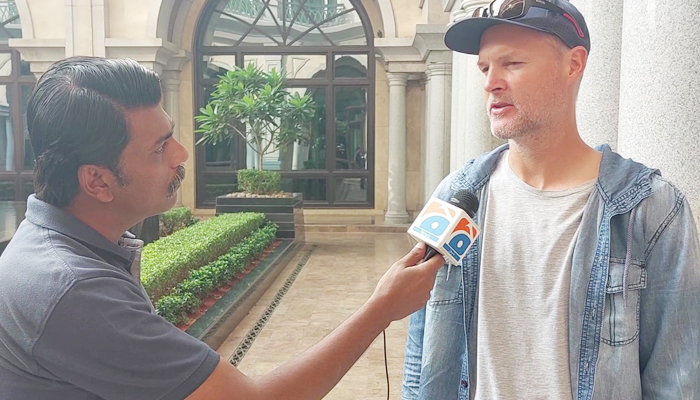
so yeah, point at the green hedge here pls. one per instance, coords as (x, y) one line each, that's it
(175, 219)
(187, 294)
(259, 181)
(167, 261)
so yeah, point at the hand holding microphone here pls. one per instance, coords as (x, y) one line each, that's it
(444, 228)
(447, 227)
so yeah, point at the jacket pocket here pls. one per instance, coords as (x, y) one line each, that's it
(621, 315)
(446, 291)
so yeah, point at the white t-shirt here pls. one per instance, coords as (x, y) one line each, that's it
(523, 299)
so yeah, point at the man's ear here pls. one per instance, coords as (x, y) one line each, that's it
(97, 182)
(578, 57)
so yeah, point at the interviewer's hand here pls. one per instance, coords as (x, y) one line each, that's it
(405, 287)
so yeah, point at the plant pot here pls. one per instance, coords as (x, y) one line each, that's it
(286, 212)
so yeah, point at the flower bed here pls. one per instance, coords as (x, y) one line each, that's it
(188, 294)
(168, 260)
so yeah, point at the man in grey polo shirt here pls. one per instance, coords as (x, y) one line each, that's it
(75, 322)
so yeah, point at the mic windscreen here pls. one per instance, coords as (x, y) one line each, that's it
(467, 201)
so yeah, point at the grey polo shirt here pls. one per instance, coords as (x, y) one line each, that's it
(76, 324)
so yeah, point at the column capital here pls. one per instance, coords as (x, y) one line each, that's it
(397, 78)
(170, 80)
(438, 69)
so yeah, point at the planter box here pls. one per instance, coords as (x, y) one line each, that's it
(286, 212)
(223, 316)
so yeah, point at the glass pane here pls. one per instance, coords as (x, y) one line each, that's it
(350, 66)
(313, 189)
(5, 64)
(284, 23)
(28, 150)
(311, 154)
(7, 191)
(218, 156)
(296, 66)
(28, 188)
(24, 67)
(215, 66)
(7, 139)
(336, 23)
(352, 190)
(351, 128)
(215, 156)
(232, 24)
(219, 186)
(11, 212)
(9, 20)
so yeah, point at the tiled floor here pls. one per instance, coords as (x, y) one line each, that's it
(338, 278)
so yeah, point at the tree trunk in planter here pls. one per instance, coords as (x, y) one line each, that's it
(286, 212)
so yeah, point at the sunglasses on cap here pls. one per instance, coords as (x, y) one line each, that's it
(514, 9)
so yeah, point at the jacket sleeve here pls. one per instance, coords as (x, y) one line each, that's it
(435, 342)
(669, 347)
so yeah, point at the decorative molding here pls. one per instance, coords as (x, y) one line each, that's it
(154, 53)
(438, 68)
(40, 53)
(397, 78)
(411, 55)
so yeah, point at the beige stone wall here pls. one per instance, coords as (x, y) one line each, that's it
(48, 18)
(127, 19)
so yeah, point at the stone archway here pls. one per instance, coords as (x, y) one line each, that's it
(168, 19)
(25, 17)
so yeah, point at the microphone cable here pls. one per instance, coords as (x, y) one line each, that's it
(386, 366)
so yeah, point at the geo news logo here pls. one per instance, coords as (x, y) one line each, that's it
(437, 218)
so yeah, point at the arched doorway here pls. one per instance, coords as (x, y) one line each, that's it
(325, 48)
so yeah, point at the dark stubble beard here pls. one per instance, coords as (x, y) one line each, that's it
(177, 181)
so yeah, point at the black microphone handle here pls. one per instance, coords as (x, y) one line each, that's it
(429, 253)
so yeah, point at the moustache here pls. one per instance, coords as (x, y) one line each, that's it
(177, 180)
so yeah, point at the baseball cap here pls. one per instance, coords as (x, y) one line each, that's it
(556, 17)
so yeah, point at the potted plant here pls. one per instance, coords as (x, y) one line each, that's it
(257, 106)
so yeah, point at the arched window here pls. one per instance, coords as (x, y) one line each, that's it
(325, 48)
(16, 83)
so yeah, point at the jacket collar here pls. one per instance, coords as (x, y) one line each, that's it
(621, 181)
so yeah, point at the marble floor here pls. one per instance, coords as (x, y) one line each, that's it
(338, 278)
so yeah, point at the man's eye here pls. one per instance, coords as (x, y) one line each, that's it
(161, 149)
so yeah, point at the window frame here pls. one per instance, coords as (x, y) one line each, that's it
(329, 82)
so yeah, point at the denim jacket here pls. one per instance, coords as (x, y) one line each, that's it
(634, 306)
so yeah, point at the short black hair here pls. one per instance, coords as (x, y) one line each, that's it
(77, 116)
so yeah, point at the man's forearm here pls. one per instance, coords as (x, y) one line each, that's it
(314, 373)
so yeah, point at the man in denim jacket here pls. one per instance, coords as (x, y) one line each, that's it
(585, 283)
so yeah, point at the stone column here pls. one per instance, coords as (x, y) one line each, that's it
(171, 99)
(660, 90)
(599, 99)
(437, 160)
(471, 131)
(396, 207)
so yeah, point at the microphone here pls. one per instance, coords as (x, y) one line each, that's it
(447, 227)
